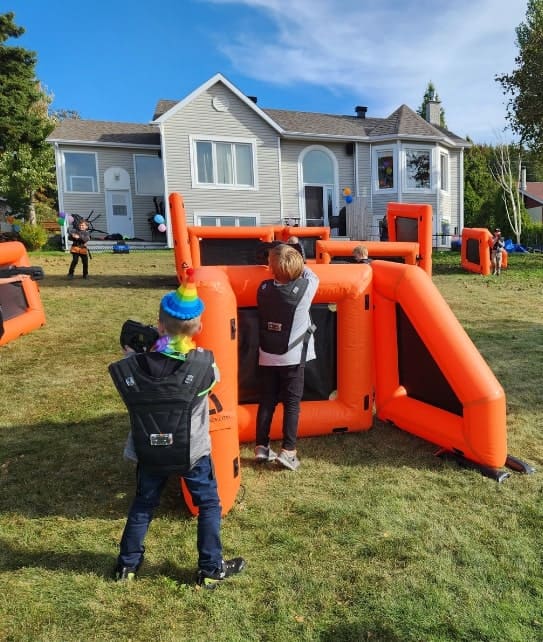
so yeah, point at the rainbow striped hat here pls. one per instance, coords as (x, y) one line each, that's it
(184, 302)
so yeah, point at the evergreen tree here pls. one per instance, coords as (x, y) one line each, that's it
(524, 84)
(26, 160)
(480, 190)
(429, 95)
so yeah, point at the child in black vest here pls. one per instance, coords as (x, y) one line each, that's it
(79, 235)
(166, 393)
(286, 343)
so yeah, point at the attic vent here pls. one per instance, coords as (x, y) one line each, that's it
(360, 111)
(253, 98)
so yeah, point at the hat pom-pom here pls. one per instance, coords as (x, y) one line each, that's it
(190, 274)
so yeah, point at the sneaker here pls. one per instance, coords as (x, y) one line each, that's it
(210, 580)
(264, 453)
(70, 276)
(288, 459)
(125, 574)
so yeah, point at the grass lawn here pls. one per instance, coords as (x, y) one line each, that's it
(373, 539)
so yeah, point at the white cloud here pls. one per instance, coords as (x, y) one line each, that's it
(387, 51)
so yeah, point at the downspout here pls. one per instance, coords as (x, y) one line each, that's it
(437, 174)
(60, 192)
(280, 167)
(461, 194)
(169, 235)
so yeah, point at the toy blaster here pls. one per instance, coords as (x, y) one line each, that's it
(138, 336)
(35, 273)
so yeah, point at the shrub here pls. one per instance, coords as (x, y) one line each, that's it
(34, 237)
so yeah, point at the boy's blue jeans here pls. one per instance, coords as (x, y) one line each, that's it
(202, 486)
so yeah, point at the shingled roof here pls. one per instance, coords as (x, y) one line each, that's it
(101, 132)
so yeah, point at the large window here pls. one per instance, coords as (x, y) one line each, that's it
(444, 171)
(149, 177)
(417, 169)
(221, 163)
(80, 172)
(385, 169)
(225, 220)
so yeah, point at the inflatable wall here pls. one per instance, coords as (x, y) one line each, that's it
(402, 252)
(412, 223)
(20, 303)
(475, 251)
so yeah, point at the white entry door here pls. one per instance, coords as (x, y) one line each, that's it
(119, 213)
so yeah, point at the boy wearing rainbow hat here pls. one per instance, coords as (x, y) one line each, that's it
(166, 393)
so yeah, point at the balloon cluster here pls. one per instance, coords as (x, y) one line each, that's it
(347, 194)
(64, 218)
(160, 222)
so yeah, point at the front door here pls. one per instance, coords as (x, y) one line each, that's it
(314, 206)
(119, 213)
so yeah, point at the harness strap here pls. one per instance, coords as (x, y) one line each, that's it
(305, 338)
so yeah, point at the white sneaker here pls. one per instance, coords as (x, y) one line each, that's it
(288, 459)
(264, 454)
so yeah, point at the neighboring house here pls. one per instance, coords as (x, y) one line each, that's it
(532, 195)
(236, 163)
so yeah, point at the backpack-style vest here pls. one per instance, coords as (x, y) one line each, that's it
(160, 409)
(276, 308)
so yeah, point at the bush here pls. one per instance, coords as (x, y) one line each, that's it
(34, 237)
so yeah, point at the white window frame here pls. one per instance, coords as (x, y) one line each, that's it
(194, 139)
(68, 179)
(444, 172)
(218, 215)
(377, 152)
(418, 148)
(136, 180)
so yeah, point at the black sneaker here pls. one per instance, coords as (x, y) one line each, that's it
(210, 580)
(125, 574)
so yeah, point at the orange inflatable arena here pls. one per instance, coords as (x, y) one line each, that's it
(20, 302)
(475, 251)
(386, 342)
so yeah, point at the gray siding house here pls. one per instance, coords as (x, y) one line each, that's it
(236, 163)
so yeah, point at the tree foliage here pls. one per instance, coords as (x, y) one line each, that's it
(524, 84)
(431, 95)
(480, 190)
(26, 159)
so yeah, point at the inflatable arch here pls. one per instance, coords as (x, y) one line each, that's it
(430, 378)
(308, 236)
(475, 251)
(406, 252)
(21, 306)
(412, 223)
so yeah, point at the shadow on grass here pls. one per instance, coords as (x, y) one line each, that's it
(104, 281)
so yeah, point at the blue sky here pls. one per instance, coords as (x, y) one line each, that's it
(113, 60)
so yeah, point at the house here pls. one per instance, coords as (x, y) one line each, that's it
(532, 196)
(236, 163)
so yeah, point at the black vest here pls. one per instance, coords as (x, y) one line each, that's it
(276, 308)
(160, 408)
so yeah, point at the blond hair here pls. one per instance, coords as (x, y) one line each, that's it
(286, 263)
(179, 327)
(360, 252)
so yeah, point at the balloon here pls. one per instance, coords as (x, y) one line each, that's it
(16, 228)
(70, 218)
(60, 221)
(349, 199)
(62, 215)
(10, 219)
(347, 191)
(159, 219)
(161, 227)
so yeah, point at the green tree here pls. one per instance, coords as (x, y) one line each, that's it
(523, 85)
(480, 190)
(431, 95)
(26, 160)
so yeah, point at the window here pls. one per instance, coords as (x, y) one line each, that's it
(149, 177)
(318, 168)
(444, 171)
(220, 163)
(80, 172)
(385, 169)
(226, 220)
(417, 169)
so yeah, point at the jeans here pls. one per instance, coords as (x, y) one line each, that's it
(285, 384)
(202, 486)
(84, 261)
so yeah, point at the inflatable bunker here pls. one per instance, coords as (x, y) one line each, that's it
(20, 304)
(475, 251)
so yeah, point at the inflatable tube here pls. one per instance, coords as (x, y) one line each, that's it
(327, 250)
(181, 246)
(244, 243)
(308, 238)
(430, 378)
(346, 290)
(413, 223)
(22, 309)
(219, 335)
(475, 251)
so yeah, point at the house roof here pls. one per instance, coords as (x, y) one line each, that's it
(101, 132)
(534, 191)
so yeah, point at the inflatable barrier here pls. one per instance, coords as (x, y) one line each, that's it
(430, 378)
(475, 251)
(405, 252)
(20, 303)
(412, 223)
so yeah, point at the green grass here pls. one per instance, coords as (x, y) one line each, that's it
(374, 538)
